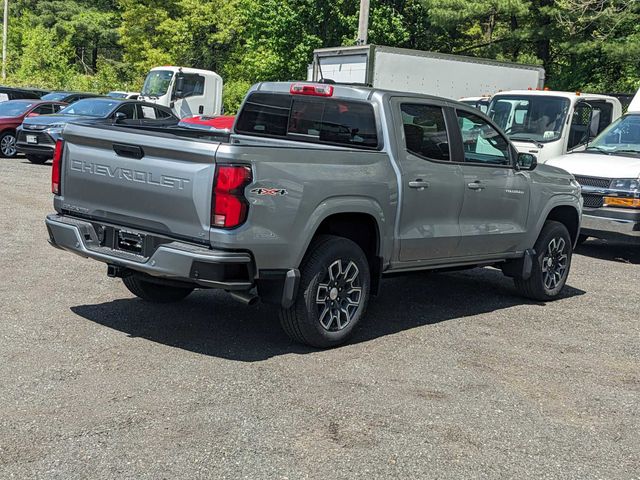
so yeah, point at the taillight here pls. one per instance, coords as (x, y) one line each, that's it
(310, 89)
(56, 171)
(229, 205)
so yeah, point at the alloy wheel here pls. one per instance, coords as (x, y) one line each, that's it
(8, 146)
(554, 263)
(339, 296)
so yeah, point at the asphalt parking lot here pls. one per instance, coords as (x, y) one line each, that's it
(451, 376)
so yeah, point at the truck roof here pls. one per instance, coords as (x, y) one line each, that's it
(186, 70)
(553, 93)
(350, 91)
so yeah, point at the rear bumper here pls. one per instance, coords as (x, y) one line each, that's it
(173, 260)
(612, 224)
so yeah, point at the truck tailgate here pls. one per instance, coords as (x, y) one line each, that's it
(146, 180)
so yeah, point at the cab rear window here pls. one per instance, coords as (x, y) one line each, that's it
(319, 120)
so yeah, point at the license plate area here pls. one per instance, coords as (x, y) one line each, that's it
(32, 139)
(130, 242)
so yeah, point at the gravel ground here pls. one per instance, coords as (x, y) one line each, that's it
(451, 375)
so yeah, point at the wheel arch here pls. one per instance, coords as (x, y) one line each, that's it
(364, 226)
(569, 216)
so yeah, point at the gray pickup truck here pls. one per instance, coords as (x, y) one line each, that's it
(319, 191)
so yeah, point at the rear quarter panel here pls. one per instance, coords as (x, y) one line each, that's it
(317, 181)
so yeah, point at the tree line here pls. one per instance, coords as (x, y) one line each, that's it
(100, 45)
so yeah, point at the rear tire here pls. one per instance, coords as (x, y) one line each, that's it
(154, 292)
(551, 264)
(37, 159)
(332, 295)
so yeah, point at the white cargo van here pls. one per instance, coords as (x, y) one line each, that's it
(609, 171)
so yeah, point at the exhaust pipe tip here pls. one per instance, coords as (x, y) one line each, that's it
(244, 297)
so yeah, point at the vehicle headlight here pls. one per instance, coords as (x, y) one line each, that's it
(631, 185)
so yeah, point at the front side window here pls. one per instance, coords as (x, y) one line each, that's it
(318, 120)
(193, 85)
(43, 109)
(129, 109)
(425, 131)
(530, 117)
(482, 143)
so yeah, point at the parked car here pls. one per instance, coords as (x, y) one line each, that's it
(221, 123)
(68, 97)
(10, 93)
(119, 94)
(37, 136)
(609, 172)
(13, 112)
(38, 91)
(320, 190)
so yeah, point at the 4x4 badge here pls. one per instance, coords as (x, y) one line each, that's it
(269, 191)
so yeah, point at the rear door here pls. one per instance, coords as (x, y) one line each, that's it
(432, 186)
(496, 197)
(145, 180)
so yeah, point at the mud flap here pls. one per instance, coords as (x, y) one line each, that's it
(520, 267)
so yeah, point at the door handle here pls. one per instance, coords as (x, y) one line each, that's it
(477, 185)
(419, 183)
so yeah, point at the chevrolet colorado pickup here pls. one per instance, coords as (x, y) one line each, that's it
(319, 191)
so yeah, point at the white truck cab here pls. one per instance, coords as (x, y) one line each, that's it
(187, 91)
(548, 123)
(609, 171)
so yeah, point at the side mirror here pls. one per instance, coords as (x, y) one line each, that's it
(119, 117)
(179, 85)
(526, 161)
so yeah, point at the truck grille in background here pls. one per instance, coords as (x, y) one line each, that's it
(592, 201)
(593, 182)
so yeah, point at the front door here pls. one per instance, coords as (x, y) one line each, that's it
(496, 196)
(432, 189)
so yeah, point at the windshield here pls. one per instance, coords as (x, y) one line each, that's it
(157, 83)
(622, 136)
(117, 95)
(530, 117)
(13, 109)
(55, 96)
(91, 107)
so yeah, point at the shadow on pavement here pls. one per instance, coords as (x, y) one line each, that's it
(211, 323)
(613, 251)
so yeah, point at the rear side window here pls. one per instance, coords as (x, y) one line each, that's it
(332, 121)
(425, 132)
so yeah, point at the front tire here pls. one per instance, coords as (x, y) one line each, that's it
(8, 145)
(37, 159)
(155, 292)
(551, 264)
(332, 296)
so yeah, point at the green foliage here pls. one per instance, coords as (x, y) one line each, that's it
(101, 45)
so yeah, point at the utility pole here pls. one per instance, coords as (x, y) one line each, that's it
(363, 23)
(4, 40)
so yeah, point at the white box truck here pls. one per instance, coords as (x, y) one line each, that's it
(415, 71)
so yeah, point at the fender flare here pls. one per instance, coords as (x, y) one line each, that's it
(348, 204)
